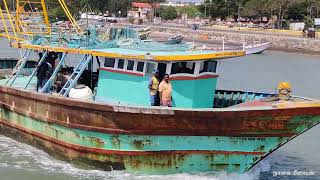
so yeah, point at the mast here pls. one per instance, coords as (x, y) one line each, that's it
(87, 19)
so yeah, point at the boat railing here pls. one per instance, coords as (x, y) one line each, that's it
(226, 98)
(304, 98)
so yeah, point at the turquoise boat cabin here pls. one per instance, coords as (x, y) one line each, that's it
(125, 81)
(118, 70)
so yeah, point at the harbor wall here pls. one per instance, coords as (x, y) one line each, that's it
(279, 41)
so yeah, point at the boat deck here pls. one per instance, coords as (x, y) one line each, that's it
(22, 81)
(272, 102)
(224, 99)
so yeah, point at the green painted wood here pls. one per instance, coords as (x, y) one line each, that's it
(228, 153)
(121, 88)
(128, 89)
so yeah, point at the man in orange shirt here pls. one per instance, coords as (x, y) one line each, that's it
(165, 92)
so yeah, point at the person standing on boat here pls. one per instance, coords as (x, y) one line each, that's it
(43, 74)
(165, 92)
(154, 89)
(62, 79)
(39, 73)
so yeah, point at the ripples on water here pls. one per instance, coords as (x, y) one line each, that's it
(21, 161)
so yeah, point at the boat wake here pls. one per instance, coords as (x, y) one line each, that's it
(17, 157)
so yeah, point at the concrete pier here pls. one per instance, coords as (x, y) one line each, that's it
(280, 41)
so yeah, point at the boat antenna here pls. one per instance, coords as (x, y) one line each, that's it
(87, 19)
(87, 8)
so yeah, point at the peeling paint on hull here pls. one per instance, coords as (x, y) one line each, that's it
(150, 141)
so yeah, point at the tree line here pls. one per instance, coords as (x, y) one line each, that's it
(280, 10)
(75, 6)
(97, 6)
(303, 10)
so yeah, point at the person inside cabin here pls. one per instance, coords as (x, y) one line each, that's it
(183, 67)
(39, 73)
(154, 89)
(52, 58)
(165, 92)
(62, 78)
(44, 73)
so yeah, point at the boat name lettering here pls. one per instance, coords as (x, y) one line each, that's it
(263, 125)
(247, 139)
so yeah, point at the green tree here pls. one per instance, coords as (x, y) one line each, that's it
(256, 9)
(280, 9)
(215, 8)
(56, 12)
(238, 6)
(191, 11)
(168, 12)
(297, 12)
(308, 22)
(10, 3)
(312, 7)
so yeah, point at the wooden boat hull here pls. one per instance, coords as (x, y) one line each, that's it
(150, 140)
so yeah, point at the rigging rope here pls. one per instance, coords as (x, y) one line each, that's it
(10, 19)
(72, 20)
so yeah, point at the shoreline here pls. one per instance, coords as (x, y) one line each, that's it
(296, 51)
(166, 31)
(279, 42)
(161, 36)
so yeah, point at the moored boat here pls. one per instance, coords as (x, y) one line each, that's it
(256, 48)
(119, 130)
(174, 39)
(249, 49)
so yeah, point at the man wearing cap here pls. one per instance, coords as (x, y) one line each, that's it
(154, 88)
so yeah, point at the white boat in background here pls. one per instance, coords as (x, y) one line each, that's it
(249, 49)
(144, 33)
(256, 48)
(174, 39)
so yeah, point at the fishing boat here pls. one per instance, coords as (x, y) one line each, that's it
(249, 49)
(144, 33)
(174, 39)
(256, 48)
(206, 129)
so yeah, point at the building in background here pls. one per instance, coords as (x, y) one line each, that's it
(143, 11)
(180, 3)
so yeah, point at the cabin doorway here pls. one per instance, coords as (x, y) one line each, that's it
(162, 67)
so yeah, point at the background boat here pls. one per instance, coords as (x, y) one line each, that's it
(256, 48)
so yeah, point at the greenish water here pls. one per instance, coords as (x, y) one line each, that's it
(254, 73)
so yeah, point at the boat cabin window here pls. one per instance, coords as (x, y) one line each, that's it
(140, 66)
(127, 65)
(120, 63)
(109, 62)
(183, 67)
(162, 68)
(208, 66)
(6, 64)
(130, 65)
(150, 68)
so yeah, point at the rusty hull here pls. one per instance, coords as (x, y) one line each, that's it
(280, 124)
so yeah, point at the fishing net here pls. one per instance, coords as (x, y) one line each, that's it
(126, 38)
